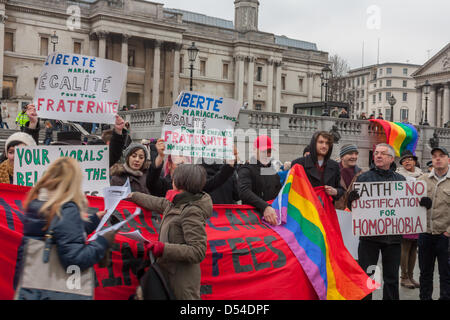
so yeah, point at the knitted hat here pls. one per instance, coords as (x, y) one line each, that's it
(23, 137)
(347, 149)
(133, 146)
(407, 154)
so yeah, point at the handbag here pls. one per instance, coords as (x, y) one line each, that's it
(153, 284)
(42, 272)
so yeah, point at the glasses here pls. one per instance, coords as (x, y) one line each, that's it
(408, 159)
(384, 154)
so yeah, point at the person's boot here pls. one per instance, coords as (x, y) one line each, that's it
(414, 282)
(405, 282)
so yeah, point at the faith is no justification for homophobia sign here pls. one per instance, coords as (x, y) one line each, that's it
(79, 88)
(201, 126)
(389, 208)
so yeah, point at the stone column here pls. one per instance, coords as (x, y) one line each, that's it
(148, 47)
(240, 83)
(156, 73)
(310, 77)
(2, 50)
(432, 107)
(419, 99)
(440, 93)
(251, 76)
(102, 44)
(446, 104)
(269, 101)
(124, 60)
(176, 70)
(278, 66)
(93, 45)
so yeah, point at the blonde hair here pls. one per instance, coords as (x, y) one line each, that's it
(63, 181)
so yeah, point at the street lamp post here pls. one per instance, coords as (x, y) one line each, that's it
(391, 102)
(54, 40)
(192, 53)
(427, 88)
(326, 76)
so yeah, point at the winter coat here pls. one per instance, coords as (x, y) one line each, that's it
(120, 172)
(331, 175)
(184, 236)
(341, 204)
(70, 239)
(158, 185)
(227, 193)
(377, 175)
(438, 217)
(256, 189)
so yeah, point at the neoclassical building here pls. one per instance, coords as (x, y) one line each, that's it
(437, 102)
(368, 89)
(267, 72)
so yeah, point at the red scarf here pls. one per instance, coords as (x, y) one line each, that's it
(171, 194)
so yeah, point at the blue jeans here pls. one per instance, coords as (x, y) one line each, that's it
(432, 247)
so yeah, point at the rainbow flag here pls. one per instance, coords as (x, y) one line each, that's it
(400, 136)
(312, 236)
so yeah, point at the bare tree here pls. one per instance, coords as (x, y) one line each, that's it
(339, 70)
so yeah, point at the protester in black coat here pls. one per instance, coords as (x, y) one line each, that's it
(227, 193)
(320, 169)
(370, 247)
(258, 181)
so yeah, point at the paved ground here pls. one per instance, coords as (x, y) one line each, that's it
(412, 294)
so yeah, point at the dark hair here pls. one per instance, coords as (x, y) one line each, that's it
(327, 136)
(307, 149)
(107, 135)
(189, 177)
(13, 144)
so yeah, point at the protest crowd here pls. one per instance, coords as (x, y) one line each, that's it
(184, 191)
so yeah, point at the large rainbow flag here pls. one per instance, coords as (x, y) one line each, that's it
(401, 136)
(311, 234)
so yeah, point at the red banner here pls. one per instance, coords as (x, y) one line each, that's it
(244, 260)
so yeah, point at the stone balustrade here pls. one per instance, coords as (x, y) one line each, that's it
(295, 131)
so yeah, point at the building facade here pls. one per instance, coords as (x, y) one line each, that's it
(368, 89)
(434, 106)
(261, 70)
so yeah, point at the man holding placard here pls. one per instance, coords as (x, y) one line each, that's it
(434, 243)
(375, 188)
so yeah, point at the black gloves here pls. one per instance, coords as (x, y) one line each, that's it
(352, 196)
(426, 202)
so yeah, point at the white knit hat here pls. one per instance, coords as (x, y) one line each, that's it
(23, 137)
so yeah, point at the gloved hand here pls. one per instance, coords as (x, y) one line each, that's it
(426, 202)
(352, 196)
(109, 236)
(156, 247)
(106, 260)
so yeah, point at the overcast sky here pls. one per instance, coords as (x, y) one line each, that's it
(409, 30)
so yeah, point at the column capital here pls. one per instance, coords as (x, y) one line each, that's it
(3, 18)
(178, 46)
(251, 59)
(270, 62)
(157, 43)
(102, 34)
(239, 57)
(125, 37)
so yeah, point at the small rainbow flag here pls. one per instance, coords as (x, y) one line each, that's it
(312, 236)
(401, 136)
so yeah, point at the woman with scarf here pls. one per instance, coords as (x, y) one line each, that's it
(134, 168)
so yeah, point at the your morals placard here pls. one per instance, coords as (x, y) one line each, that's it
(389, 208)
(30, 164)
(79, 88)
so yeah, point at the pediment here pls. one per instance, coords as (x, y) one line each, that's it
(439, 63)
